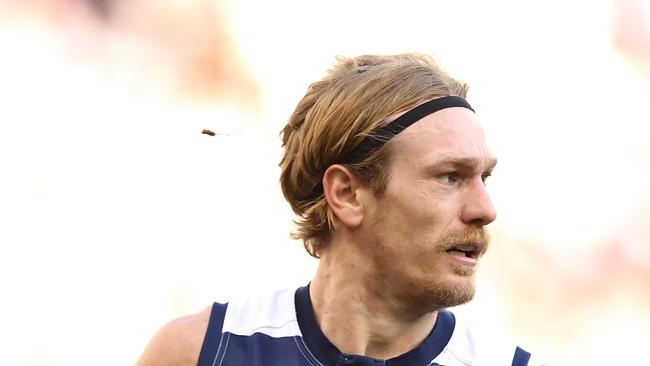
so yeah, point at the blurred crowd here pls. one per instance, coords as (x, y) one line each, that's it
(182, 46)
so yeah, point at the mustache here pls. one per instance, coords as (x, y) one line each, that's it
(478, 237)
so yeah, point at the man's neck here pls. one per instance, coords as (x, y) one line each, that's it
(359, 318)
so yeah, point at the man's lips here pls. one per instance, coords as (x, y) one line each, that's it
(462, 258)
(468, 250)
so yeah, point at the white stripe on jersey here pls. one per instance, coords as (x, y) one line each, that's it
(271, 314)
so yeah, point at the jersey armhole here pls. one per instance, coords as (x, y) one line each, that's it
(212, 335)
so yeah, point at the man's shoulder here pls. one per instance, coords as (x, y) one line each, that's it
(184, 341)
(177, 343)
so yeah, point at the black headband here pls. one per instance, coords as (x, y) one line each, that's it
(387, 132)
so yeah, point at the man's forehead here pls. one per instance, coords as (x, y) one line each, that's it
(447, 120)
(453, 126)
(453, 136)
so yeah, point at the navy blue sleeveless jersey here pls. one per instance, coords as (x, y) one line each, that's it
(280, 330)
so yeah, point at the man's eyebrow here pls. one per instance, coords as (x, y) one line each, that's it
(463, 163)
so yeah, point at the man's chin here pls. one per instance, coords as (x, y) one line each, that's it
(451, 294)
(434, 296)
(465, 271)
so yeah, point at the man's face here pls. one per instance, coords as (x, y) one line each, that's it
(427, 228)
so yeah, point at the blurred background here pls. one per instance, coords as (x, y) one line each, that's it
(117, 214)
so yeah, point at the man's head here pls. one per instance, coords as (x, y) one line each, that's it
(414, 205)
(339, 112)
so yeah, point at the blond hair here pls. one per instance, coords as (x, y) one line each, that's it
(337, 113)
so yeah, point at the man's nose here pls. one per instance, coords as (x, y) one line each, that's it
(478, 209)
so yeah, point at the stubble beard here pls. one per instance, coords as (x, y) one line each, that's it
(442, 294)
(416, 297)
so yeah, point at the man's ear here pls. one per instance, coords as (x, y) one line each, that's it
(340, 188)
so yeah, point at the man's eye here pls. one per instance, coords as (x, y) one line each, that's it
(449, 178)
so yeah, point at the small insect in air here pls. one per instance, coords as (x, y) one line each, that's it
(208, 132)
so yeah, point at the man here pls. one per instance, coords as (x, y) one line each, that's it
(385, 166)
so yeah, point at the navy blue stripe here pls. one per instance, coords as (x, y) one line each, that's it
(212, 335)
(521, 357)
(315, 341)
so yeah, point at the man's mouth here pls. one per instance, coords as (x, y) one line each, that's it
(469, 250)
